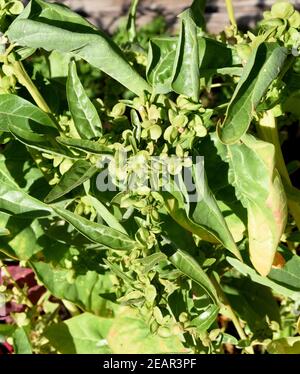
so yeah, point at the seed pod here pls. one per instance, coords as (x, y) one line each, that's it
(180, 120)
(154, 113)
(65, 166)
(170, 134)
(154, 327)
(57, 160)
(201, 131)
(142, 235)
(150, 293)
(164, 332)
(294, 20)
(8, 70)
(16, 8)
(158, 315)
(174, 165)
(243, 51)
(176, 329)
(282, 10)
(155, 132)
(146, 124)
(267, 14)
(87, 210)
(118, 110)
(273, 22)
(183, 317)
(186, 104)
(155, 215)
(5, 83)
(179, 151)
(171, 114)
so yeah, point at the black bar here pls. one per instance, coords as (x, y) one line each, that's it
(133, 363)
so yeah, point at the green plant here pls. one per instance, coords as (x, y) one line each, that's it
(150, 268)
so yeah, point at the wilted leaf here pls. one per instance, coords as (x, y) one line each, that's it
(258, 185)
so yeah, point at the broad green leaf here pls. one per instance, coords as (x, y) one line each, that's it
(40, 142)
(54, 27)
(179, 215)
(5, 175)
(80, 172)
(233, 221)
(289, 345)
(232, 71)
(105, 214)
(234, 213)
(190, 267)
(85, 116)
(24, 52)
(215, 58)
(85, 145)
(214, 55)
(263, 67)
(206, 318)
(83, 334)
(18, 167)
(207, 214)
(206, 221)
(6, 331)
(59, 64)
(84, 290)
(176, 233)
(289, 275)
(22, 114)
(258, 185)
(21, 342)
(96, 232)
(14, 200)
(198, 13)
(29, 124)
(161, 56)
(4, 231)
(149, 262)
(130, 333)
(186, 77)
(254, 304)
(26, 237)
(255, 277)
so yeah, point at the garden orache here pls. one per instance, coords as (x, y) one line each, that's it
(90, 130)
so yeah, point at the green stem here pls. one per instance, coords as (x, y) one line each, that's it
(24, 79)
(230, 12)
(267, 129)
(131, 22)
(230, 313)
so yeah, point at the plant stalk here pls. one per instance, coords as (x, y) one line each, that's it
(14, 282)
(230, 13)
(131, 21)
(267, 129)
(230, 313)
(24, 79)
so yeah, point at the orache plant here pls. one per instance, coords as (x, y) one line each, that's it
(135, 267)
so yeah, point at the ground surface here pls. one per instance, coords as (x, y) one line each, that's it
(107, 12)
